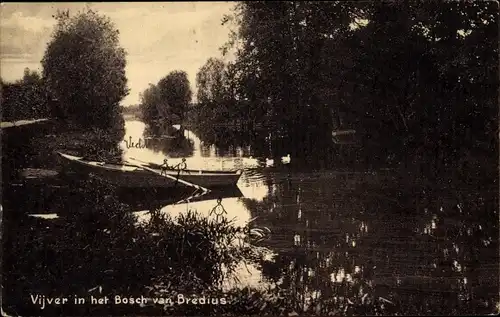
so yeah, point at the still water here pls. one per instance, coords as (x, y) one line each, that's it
(414, 251)
(253, 184)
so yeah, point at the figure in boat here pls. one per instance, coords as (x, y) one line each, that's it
(183, 164)
(164, 167)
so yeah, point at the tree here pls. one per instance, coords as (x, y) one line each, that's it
(25, 98)
(428, 109)
(166, 102)
(407, 77)
(212, 92)
(31, 77)
(153, 107)
(84, 69)
(175, 92)
(210, 81)
(285, 91)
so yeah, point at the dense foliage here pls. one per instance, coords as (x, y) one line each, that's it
(418, 82)
(176, 91)
(84, 69)
(97, 243)
(24, 99)
(167, 102)
(215, 95)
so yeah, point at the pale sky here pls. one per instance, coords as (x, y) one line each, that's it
(159, 37)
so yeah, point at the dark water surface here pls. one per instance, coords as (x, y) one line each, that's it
(337, 245)
(340, 244)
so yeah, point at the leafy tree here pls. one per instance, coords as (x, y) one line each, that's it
(282, 91)
(176, 94)
(150, 105)
(166, 102)
(25, 98)
(213, 93)
(210, 81)
(407, 77)
(31, 77)
(84, 69)
(428, 109)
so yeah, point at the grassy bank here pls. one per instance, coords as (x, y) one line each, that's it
(100, 250)
(44, 141)
(100, 245)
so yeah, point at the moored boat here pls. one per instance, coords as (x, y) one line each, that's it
(133, 176)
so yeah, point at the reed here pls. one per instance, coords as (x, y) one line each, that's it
(97, 243)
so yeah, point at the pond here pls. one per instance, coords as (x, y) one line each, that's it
(338, 242)
(415, 249)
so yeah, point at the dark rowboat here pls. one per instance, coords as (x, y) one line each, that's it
(132, 176)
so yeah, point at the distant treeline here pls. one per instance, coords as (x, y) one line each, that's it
(25, 98)
(132, 111)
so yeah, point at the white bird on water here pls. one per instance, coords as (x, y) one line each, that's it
(269, 162)
(286, 159)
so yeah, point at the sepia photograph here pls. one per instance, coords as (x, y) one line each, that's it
(258, 158)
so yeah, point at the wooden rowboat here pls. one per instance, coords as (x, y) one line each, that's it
(133, 176)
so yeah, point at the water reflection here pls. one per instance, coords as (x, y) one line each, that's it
(199, 155)
(388, 253)
(337, 247)
(234, 207)
(157, 146)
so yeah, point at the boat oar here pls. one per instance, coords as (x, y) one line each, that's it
(191, 197)
(142, 161)
(206, 190)
(203, 190)
(173, 168)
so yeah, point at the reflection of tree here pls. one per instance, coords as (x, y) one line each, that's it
(177, 146)
(262, 143)
(225, 140)
(372, 253)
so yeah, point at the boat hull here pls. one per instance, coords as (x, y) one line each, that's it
(129, 176)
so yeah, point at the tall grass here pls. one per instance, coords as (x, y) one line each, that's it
(99, 244)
